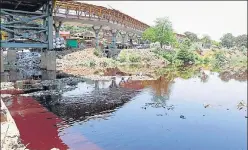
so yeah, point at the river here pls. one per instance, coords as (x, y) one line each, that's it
(201, 112)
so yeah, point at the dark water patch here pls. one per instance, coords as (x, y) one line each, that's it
(94, 103)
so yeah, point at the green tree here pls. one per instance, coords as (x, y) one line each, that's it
(192, 36)
(149, 34)
(227, 40)
(162, 32)
(241, 40)
(206, 40)
(216, 43)
(184, 54)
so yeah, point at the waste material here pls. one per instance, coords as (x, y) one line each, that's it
(59, 42)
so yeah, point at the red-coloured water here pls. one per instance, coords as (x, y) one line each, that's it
(38, 127)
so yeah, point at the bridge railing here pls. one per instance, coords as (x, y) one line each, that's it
(98, 12)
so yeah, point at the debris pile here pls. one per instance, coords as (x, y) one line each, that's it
(28, 63)
(59, 42)
(28, 60)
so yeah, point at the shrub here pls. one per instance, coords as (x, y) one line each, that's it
(169, 55)
(219, 59)
(123, 57)
(85, 64)
(185, 56)
(92, 64)
(206, 60)
(134, 58)
(97, 52)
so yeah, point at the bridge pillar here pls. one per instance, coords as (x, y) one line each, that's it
(97, 29)
(2, 62)
(48, 60)
(57, 26)
(131, 36)
(123, 36)
(11, 57)
(114, 33)
(139, 39)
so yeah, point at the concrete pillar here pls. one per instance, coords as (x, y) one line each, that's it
(51, 60)
(57, 26)
(131, 35)
(139, 39)
(97, 29)
(43, 60)
(48, 60)
(48, 75)
(114, 33)
(11, 57)
(123, 36)
(13, 75)
(4, 77)
(2, 62)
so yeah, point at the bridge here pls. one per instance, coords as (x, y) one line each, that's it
(30, 23)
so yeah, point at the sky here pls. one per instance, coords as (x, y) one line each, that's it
(213, 18)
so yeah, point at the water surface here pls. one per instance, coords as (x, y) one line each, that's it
(200, 112)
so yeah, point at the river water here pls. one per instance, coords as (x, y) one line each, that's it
(195, 113)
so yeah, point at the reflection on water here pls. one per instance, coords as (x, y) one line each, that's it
(16, 74)
(182, 109)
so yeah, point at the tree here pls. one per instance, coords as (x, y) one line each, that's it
(162, 32)
(241, 40)
(192, 36)
(206, 40)
(227, 40)
(149, 34)
(184, 54)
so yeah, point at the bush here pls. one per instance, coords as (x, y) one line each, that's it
(185, 56)
(169, 55)
(206, 60)
(97, 52)
(92, 64)
(123, 56)
(134, 58)
(219, 59)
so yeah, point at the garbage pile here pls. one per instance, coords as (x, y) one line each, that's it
(59, 43)
(28, 63)
(28, 59)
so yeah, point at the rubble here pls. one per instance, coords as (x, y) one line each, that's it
(59, 42)
(28, 63)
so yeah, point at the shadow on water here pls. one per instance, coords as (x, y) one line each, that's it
(97, 101)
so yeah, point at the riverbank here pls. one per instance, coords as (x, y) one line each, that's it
(10, 136)
(86, 63)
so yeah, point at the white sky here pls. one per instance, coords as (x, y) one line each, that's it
(214, 18)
